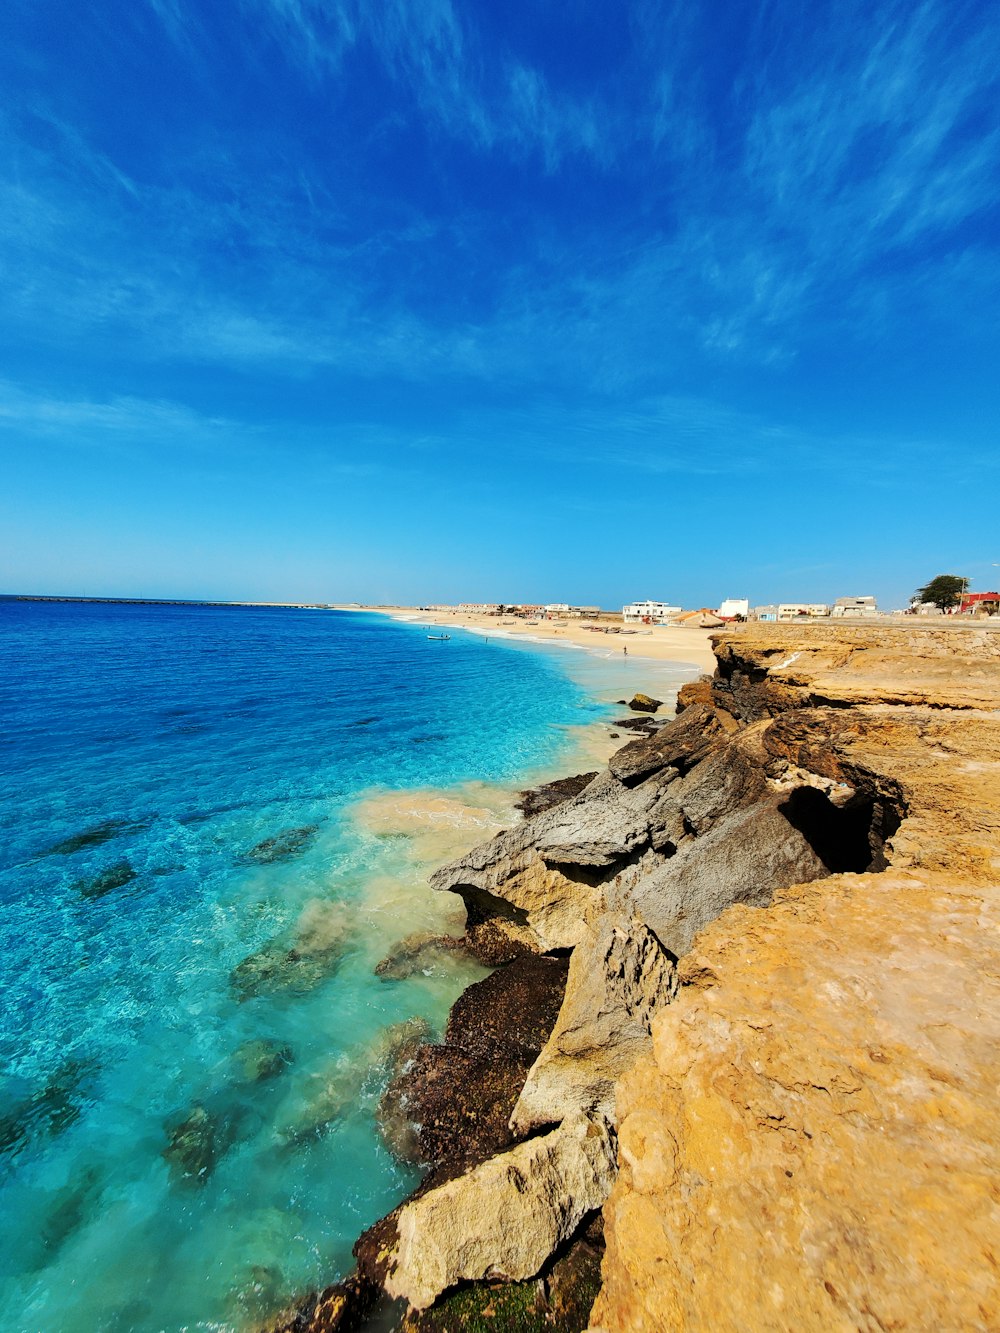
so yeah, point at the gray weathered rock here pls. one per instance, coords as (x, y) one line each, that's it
(619, 975)
(744, 858)
(541, 879)
(601, 826)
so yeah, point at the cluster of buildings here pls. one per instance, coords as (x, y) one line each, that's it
(522, 611)
(730, 609)
(979, 603)
(855, 607)
(738, 608)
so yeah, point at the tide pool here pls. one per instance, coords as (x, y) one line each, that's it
(214, 823)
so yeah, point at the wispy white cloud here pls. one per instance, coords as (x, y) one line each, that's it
(121, 424)
(805, 194)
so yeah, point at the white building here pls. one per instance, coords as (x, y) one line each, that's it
(653, 612)
(855, 606)
(735, 606)
(557, 608)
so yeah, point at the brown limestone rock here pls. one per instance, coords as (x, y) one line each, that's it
(559, 1300)
(695, 692)
(812, 1144)
(764, 670)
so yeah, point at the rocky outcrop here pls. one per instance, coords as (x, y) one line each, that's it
(809, 1141)
(706, 813)
(619, 975)
(804, 1094)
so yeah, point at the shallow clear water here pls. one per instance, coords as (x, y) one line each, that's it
(193, 1040)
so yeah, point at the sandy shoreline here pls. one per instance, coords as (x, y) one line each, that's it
(662, 643)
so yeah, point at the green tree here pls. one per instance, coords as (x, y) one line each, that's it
(944, 591)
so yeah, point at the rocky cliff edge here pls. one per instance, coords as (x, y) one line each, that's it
(778, 1029)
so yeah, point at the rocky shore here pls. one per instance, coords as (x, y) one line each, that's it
(743, 1027)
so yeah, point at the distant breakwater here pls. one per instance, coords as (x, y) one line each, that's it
(155, 601)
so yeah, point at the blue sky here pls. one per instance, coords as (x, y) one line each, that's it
(350, 299)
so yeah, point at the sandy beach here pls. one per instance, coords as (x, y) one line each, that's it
(662, 643)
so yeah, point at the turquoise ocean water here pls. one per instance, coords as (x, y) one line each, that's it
(213, 824)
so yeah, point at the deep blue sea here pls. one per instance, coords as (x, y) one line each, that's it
(213, 824)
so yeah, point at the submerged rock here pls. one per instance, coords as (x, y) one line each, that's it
(417, 953)
(300, 962)
(94, 837)
(276, 968)
(115, 877)
(48, 1110)
(289, 842)
(340, 1089)
(69, 1208)
(192, 1146)
(257, 1291)
(262, 1059)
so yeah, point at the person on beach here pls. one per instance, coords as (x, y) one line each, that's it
(625, 649)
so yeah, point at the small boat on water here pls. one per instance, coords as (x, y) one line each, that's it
(439, 636)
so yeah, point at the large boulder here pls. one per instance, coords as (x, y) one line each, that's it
(643, 703)
(504, 1218)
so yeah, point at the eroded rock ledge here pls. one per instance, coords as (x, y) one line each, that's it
(795, 1090)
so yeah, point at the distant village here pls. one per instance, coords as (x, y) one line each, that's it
(731, 609)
